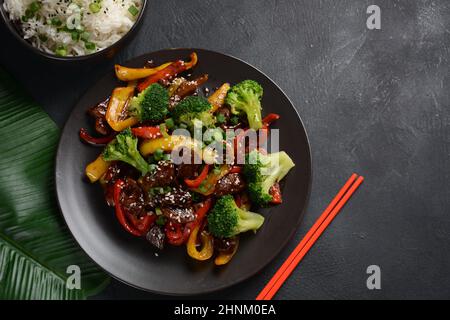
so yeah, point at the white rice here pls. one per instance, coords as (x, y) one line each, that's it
(105, 27)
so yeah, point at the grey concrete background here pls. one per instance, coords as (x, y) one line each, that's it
(373, 102)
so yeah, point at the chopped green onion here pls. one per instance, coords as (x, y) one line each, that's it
(56, 22)
(152, 167)
(85, 36)
(203, 188)
(161, 221)
(169, 123)
(65, 29)
(160, 190)
(89, 45)
(73, 7)
(218, 136)
(158, 155)
(207, 141)
(31, 11)
(163, 130)
(35, 6)
(155, 191)
(61, 51)
(29, 14)
(75, 35)
(166, 157)
(216, 170)
(43, 37)
(183, 126)
(133, 10)
(196, 197)
(158, 211)
(73, 21)
(234, 120)
(95, 7)
(220, 118)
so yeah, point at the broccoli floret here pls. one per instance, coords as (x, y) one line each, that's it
(124, 148)
(152, 104)
(226, 219)
(245, 97)
(262, 172)
(193, 109)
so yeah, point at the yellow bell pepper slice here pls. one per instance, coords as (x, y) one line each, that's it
(132, 84)
(116, 105)
(96, 169)
(207, 245)
(172, 142)
(217, 99)
(166, 144)
(129, 74)
(224, 258)
(193, 62)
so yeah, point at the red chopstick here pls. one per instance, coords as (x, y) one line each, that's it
(310, 238)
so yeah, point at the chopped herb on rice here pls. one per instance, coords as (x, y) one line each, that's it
(73, 27)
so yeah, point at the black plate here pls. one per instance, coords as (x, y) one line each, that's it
(132, 260)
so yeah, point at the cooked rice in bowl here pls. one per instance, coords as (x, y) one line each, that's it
(73, 27)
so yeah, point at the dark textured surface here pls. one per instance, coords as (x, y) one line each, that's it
(374, 102)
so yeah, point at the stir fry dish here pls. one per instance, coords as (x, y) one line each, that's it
(178, 162)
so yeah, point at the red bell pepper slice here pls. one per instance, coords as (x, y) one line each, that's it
(135, 226)
(168, 72)
(147, 132)
(200, 216)
(267, 121)
(263, 134)
(86, 137)
(142, 225)
(195, 183)
(175, 233)
(236, 169)
(271, 117)
(275, 192)
(202, 210)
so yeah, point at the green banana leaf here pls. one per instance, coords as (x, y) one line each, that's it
(36, 248)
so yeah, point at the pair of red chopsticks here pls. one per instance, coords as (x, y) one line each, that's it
(311, 237)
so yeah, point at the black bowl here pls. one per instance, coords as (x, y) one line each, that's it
(108, 52)
(132, 259)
